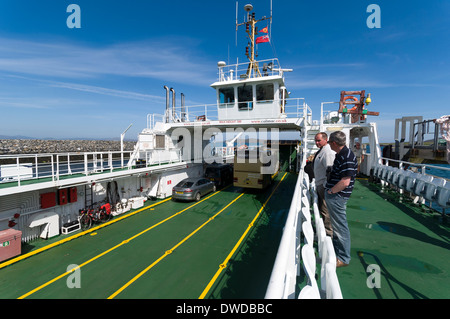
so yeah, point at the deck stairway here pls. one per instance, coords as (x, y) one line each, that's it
(310, 141)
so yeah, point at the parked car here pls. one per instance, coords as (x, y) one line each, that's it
(192, 189)
(220, 174)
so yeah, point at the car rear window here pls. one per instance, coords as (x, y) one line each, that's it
(184, 184)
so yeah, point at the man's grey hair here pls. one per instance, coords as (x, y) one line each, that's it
(338, 137)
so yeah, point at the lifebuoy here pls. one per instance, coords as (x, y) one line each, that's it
(352, 98)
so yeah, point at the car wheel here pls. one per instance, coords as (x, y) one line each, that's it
(197, 197)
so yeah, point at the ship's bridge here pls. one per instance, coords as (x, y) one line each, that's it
(254, 90)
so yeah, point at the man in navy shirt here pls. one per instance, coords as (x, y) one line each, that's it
(338, 189)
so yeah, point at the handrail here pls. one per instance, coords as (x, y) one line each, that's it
(56, 165)
(423, 166)
(284, 273)
(282, 279)
(294, 108)
(232, 72)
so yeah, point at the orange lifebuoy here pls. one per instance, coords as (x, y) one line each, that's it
(352, 98)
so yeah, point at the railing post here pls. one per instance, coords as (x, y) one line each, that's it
(18, 171)
(57, 167)
(94, 162)
(37, 165)
(85, 164)
(53, 167)
(69, 170)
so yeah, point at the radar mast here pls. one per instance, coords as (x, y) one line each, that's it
(251, 30)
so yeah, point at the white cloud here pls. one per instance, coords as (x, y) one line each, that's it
(156, 59)
(23, 103)
(106, 91)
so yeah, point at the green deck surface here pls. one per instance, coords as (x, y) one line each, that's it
(410, 246)
(108, 263)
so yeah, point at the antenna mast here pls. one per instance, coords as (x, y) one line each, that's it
(251, 30)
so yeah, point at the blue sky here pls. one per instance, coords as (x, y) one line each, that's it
(94, 81)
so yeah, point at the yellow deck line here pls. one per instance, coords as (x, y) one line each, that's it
(65, 240)
(168, 252)
(225, 262)
(115, 247)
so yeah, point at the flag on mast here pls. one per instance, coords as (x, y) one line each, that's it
(265, 30)
(262, 39)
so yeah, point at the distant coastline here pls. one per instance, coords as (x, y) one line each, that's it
(40, 146)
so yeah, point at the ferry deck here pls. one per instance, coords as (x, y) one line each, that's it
(224, 247)
(165, 250)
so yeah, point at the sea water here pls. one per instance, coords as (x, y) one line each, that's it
(439, 172)
(436, 171)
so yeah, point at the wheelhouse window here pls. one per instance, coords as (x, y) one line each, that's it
(226, 95)
(245, 97)
(264, 92)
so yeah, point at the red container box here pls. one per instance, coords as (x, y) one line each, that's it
(63, 198)
(72, 195)
(48, 200)
(10, 243)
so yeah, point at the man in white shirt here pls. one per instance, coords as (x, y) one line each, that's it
(323, 160)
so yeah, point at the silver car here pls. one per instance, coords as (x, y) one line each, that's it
(192, 189)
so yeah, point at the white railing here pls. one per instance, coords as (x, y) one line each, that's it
(55, 166)
(286, 267)
(269, 67)
(152, 119)
(292, 251)
(422, 167)
(160, 157)
(294, 108)
(283, 281)
(332, 116)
